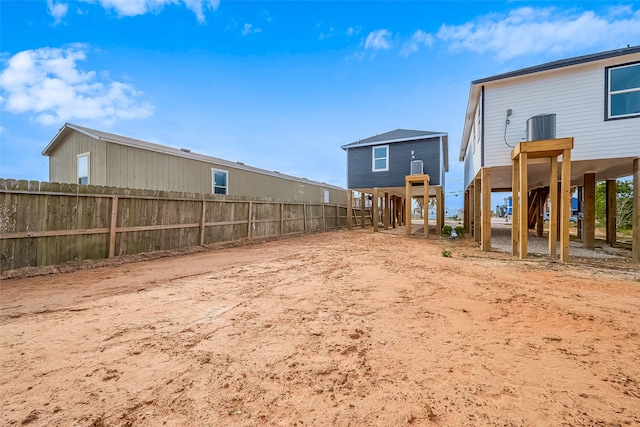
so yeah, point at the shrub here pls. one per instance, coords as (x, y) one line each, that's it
(459, 230)
(446, 230)
(446, 253)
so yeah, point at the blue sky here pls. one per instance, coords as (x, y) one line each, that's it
(278, 85)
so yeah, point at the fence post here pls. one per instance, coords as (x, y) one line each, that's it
(249, 222)
(324, 220)
(202, 222)
(112, 226)
(281, 219)
(304, 214)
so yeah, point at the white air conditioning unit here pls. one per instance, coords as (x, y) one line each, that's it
(416, 167)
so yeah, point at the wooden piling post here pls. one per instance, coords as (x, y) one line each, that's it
(523, 227)
(477, 214)
(553, 206)
(387, 212)
(440, 210)
(515, 205)
(635, 245)
(589, 232)
(565, 206)
(349, 209)
(486, 210)
(363, 211)
(611, 211)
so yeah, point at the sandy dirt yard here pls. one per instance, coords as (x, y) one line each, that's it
(342, 328)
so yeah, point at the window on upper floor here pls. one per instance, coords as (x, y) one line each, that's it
(84, 166)
(380, 158)
(219, 181)
(623, 91)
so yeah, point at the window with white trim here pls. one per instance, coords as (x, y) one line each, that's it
(380, 158)
(219, 181)
(326, 196)
(84, 166)
(623, 91)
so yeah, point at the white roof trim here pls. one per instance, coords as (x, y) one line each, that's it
(391, 141)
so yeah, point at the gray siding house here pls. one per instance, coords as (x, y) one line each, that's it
(81, 155)
(383, 161)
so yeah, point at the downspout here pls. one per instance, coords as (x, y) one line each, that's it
(482, 129)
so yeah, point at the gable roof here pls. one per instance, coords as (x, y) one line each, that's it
(402, 135)
(474, 91)
(69, 128)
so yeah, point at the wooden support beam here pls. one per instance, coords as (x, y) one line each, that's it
(349, 209)
(375, 215)
(407, 208)
(363, 210)
(440, 210)
(565, 205)
(486, 210)
(611, 211)
(472, 208)
(426, 204)
(515, 217)
(523, 199)
(580, 192)
(282, 218)
(393, 207)
(387, 211)
(589, 232)
(477, 217)
(304, 216)
(465, 212)
(635, 244)
(541, 199)
(553, 207)
(558, 217)
(112, 226)
(250, 220)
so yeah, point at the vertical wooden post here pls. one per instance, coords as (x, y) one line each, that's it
(559, 212)
(304, 215)
(515, 217)
(363, 210)
(486, 210)
(387, 212)
(589, 232)
(580, 210)
(393, 208)
(349, 209)
(112, 226)
(407, 207)
(611, 211)
(203, 216)
(523, 227)
(440, 211)
(337, 216)
(250, 220)
(540, 201)
(565, 205)
(426, 209)
(465, 212)
(635, 244)
(281, 219)
(472, 208)
(553, 207)
(477, 213)
(324, 220)
(375, 215)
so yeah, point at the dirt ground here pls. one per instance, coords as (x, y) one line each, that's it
(341, 328)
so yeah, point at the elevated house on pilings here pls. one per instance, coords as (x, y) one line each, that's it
(582, 121)
(392, 168)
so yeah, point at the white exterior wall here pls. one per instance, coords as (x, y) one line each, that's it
(576, 95)
(473, 158)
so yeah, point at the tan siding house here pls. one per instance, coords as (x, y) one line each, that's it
(117, 161)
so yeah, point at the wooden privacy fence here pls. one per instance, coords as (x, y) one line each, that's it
(44, 223)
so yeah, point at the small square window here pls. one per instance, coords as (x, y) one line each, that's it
(326, 196)
(380, 158)
(623, 91)
(219, 181)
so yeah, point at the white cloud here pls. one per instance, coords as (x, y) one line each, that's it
(418, 39)
(57, 10)
(47, 83)
(378, 40)
(352, 31)
(141, 7)
(528, 30)
(249, 29)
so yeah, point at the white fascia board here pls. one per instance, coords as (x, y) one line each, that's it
(472, 104)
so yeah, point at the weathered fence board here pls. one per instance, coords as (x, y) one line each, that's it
(43, 223)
